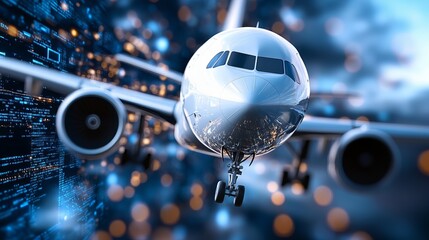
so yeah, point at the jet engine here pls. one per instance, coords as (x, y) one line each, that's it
(90, 123)
(362, 158)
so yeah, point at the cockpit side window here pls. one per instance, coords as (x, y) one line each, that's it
(270, 65)
(242, 60)
(214, 59)
(291, 72)
(222, 59)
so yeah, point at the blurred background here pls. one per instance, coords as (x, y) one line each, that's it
(376, 50)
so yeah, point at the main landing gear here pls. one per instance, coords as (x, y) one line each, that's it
(134, 153)
(234, 170)
(290, 176)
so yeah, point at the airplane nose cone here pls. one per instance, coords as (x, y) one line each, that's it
(244, 99)
(250, 91)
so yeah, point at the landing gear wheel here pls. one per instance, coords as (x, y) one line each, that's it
(238, 200)
(220, 192)
(305, 181)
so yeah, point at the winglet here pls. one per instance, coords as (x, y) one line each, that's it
(235, 15)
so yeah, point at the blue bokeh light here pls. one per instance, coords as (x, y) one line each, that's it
(222, 218)
(162, 44)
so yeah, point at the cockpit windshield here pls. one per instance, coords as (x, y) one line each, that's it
(270, 65)
(242, 60)
(291, 72)
(218, 60)
(263, 64)
(222, 59)
(214, 59)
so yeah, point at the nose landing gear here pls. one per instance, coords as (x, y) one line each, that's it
(231, 189)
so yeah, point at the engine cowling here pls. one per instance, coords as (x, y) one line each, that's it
(90, 123)
(362, 158)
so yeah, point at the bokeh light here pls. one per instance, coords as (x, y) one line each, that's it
(196, 189)
(361, 235)
(166, 180)
(129, 192)
(297, 188)
(196, 203)
(117, 228)
(338, 219)
(283, 225)
(323, 196)
(184, 13)
(100, 235)
(170, 214)
(162, 233)
(277, 198)
(140, 212)
(115, 193)
(139, 230)
(424, 162)
(272, 186)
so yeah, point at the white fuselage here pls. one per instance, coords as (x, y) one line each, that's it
(245, 90)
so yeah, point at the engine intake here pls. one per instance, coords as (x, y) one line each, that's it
(90, 123)
(362, 158)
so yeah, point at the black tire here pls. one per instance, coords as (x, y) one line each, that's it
(220, 192)
(305, 181)
(285, 178)
(238, 200)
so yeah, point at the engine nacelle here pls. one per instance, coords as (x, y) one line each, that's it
(90, 123)
(362, 158)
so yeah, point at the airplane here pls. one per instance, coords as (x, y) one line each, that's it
(243, 94)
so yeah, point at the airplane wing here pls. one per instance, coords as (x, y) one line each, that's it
(331, 95)
(148, 67)
(325, 127)
(65, 83)
(235, 15)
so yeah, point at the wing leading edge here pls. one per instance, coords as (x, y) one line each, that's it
(323, 127)
(146, 66)
(66, 83)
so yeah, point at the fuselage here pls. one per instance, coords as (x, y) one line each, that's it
(245, 90)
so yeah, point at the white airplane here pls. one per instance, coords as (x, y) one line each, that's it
(244, 93)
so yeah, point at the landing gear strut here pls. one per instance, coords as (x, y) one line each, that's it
(234, 170)
(290, 176)
(133, 149)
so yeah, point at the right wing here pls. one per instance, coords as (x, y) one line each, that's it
(325, 127)
(332, 95)
(66, 83)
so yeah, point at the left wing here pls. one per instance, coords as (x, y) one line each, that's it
(66, 83)
(146, 66)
